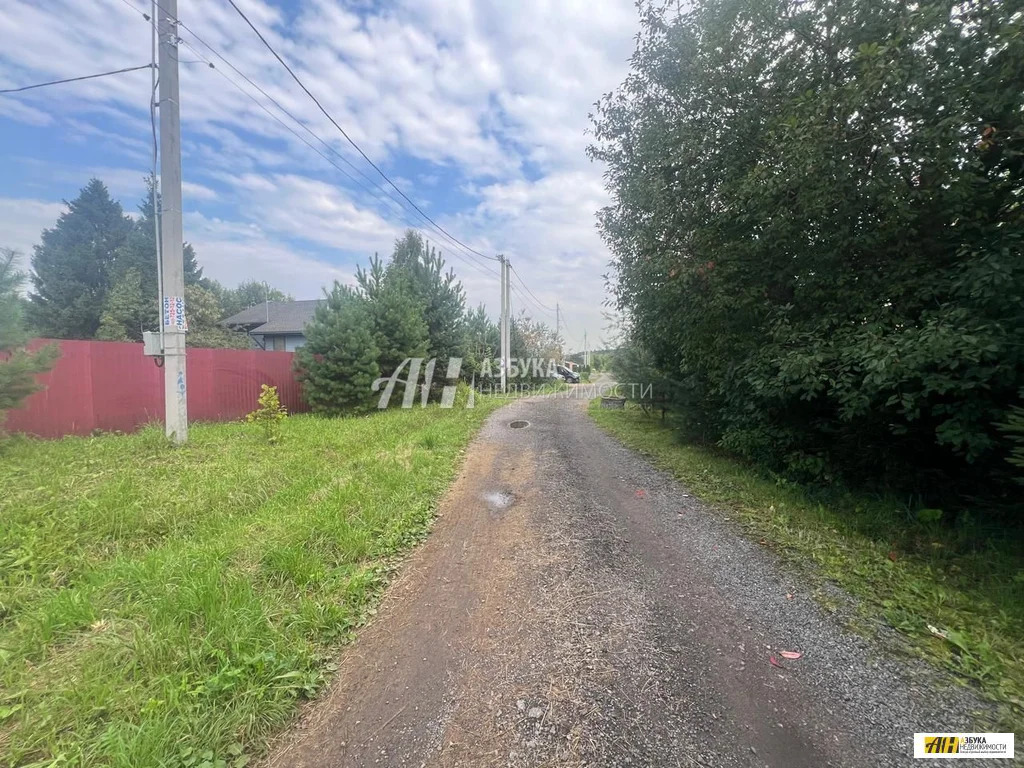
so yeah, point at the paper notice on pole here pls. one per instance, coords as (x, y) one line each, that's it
(174, 313)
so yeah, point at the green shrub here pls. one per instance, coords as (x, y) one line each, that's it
(270, 414)
(817, 231)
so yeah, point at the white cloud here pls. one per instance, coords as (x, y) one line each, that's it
(195, 191)
(483, 89)
(23, 221)
(232, 251)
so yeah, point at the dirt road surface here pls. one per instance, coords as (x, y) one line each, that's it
(574, 606)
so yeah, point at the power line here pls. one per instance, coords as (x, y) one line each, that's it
(386, 196)
(76, 79)
(349, 138)
(536, 300)
(480, 268)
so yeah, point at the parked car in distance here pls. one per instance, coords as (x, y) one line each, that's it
(568, 375)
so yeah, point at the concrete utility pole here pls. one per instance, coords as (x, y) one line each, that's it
(503, 324)
(558, 330)
(506, 323)
(586, 354)
(173, 273)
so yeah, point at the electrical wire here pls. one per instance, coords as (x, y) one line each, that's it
(349, 138)
(155, 81)
(385, 196)
(76, 79)
(480, 268)
(521, 282)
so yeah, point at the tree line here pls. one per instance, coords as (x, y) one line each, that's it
(94, 276)
(408, 307)
(818, 234)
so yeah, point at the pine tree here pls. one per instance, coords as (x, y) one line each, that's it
(338, 364)
(71, 267)
(399, 329)
(17, 366)
(133, 299)
(440, 294)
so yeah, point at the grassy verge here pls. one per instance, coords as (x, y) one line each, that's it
(967, 585)
(168, 606)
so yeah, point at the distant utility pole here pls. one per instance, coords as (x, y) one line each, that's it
(504, 323)
(558, 326)
(173, 271)
(586, 354)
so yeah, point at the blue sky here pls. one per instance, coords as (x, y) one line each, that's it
(478, 110)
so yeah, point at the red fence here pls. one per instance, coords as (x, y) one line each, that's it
(110, 385)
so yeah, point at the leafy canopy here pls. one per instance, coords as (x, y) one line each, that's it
(817, 230)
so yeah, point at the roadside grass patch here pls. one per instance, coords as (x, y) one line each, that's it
(906, 568)
(168, 606)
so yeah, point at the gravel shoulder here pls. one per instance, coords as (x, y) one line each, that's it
(574, 606)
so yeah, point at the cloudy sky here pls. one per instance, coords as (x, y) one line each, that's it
(478, 109)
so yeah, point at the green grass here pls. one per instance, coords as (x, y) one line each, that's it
(166, 606)
(959, 579)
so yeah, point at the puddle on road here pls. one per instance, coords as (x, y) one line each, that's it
(498, 500)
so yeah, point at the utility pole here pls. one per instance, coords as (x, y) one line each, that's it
(171, 246)
(504, 323)
(586, 354)
(558, 331)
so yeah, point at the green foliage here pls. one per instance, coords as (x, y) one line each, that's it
(439, 293)
(817, 231)
(247, 294)
(128, 310)
(95, 276)
(72, 264)
(18, 367)
(410, 308)
(338, 364)
(1013, 427)
(532, 340)
(162, 603)
(204, 313)
(269, 415)
(482, 342)
(397, 315)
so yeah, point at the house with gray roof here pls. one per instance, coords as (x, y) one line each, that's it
(275, 325)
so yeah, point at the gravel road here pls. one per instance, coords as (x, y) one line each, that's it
(573, 606)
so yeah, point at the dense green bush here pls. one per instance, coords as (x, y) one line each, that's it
(338, 363)
(817, 230)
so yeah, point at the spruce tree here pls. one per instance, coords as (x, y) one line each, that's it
(17, 366)
(338, 364)
(439, 292)
(396, 312)
(71, 267)
(132, 299)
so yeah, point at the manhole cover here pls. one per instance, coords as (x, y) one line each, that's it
(519, 424)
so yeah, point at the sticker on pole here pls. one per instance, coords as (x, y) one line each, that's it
(174, 313)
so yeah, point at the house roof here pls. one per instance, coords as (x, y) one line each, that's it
(274, 317)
